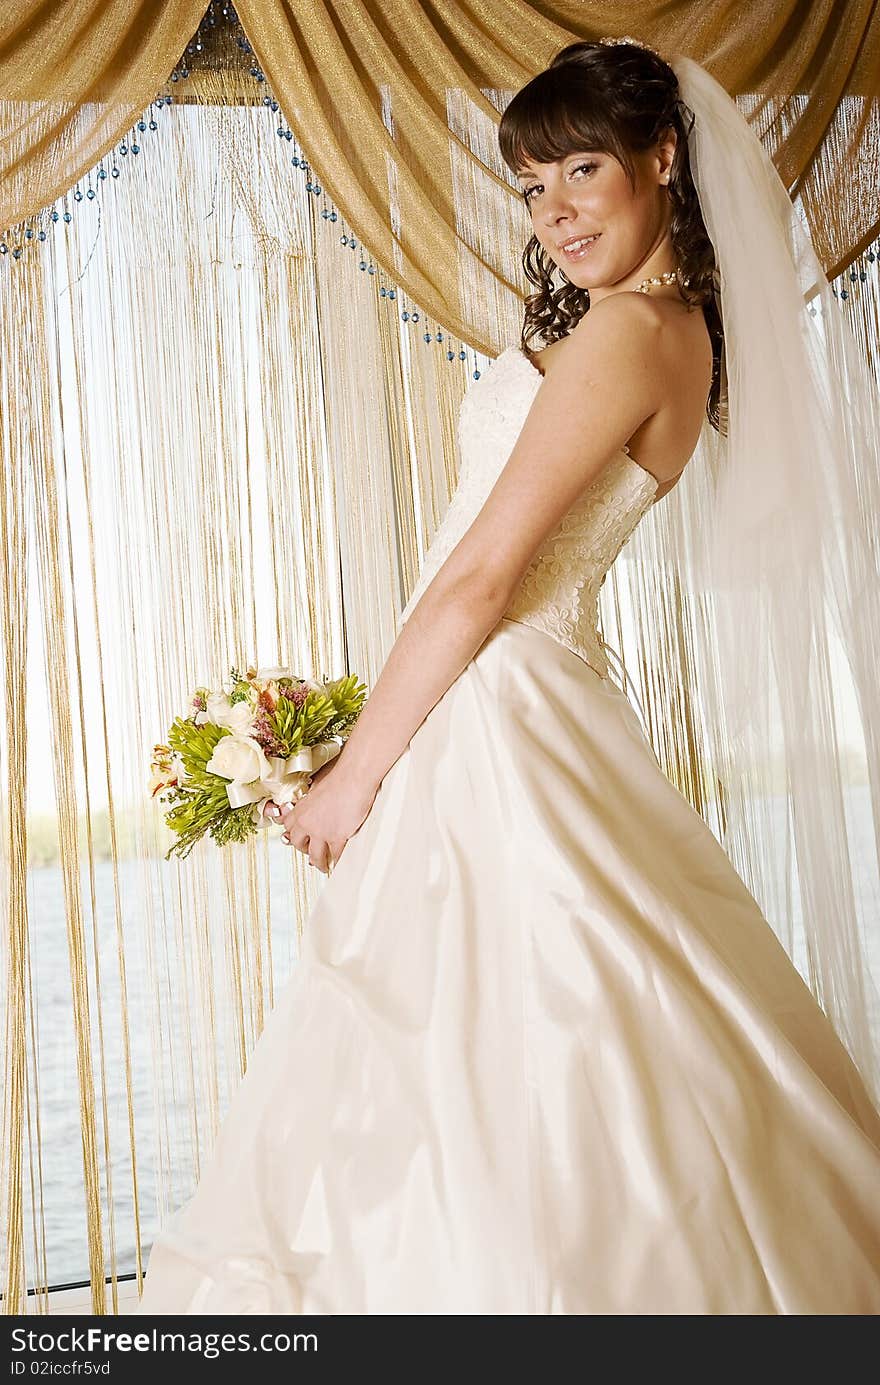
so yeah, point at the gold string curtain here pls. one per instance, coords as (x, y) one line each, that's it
(196, 469)
(74, 75)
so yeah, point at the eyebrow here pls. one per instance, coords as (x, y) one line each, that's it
(572, 154)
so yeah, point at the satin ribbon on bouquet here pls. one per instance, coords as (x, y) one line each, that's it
(287, 781)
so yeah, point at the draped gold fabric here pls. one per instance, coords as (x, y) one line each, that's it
(367, 84)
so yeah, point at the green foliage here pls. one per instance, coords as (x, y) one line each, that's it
(325, 713)
(201, 802)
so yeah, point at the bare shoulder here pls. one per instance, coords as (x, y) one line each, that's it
(620, 320)
(663, 348)
(619, 338)
(679, 366)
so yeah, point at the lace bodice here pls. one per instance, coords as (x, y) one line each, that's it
(559, 592)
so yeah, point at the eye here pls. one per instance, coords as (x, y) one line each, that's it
(587, 167)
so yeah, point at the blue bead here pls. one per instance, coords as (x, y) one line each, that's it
(102, 173)
(353, 242)
(476, 375)
(317, 188)
(392, 294)
(142, 125)
(439, 336)
(462, 355)
(427, 336)
(325, 214)
(91, 194)
(295, 161)
(29, 233)
(42, 235)
(343, 240)
(843, 293)
(154, 125)
(405, 315)
(16, 254)
(450, 355)
(308, 187)
(382, 291)
(55, 216)
(77, 196)
(333, 216)
(363, 264)
(135, 149)
(415, 317)
(68, 217)
(114, 173)
(371, 269)
(288, 134)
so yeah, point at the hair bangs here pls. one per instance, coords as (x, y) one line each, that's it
(548, 120)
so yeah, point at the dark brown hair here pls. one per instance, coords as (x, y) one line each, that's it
(621, 99)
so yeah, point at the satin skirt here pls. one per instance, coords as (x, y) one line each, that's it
(542, 1053)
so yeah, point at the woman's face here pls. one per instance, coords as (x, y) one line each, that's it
(588, 194)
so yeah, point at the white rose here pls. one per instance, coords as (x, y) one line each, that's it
(240, 758)
(217, 707)
(240, 719)
(238, 716)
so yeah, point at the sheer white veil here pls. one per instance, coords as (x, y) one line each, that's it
(774, 542)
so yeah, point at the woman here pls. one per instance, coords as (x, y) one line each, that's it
(542, 1052)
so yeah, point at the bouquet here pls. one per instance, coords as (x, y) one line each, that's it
(261, 740)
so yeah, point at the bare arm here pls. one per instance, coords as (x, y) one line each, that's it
(604, 385)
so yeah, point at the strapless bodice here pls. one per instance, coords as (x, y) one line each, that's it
(559, 592)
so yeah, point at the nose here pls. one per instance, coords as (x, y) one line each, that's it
(557, 205)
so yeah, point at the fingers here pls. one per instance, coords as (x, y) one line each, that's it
(293, 836)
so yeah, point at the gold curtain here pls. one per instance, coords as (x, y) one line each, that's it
(366, 83)
(217, 445)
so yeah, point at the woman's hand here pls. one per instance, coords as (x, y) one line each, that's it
(321, 822)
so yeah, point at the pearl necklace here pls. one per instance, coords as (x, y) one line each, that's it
(670, 276)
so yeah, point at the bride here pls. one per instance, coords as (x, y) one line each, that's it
(542, 1053)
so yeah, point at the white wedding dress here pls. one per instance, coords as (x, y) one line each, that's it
(542, 1052)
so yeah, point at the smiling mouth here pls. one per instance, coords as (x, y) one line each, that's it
(577, 249)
